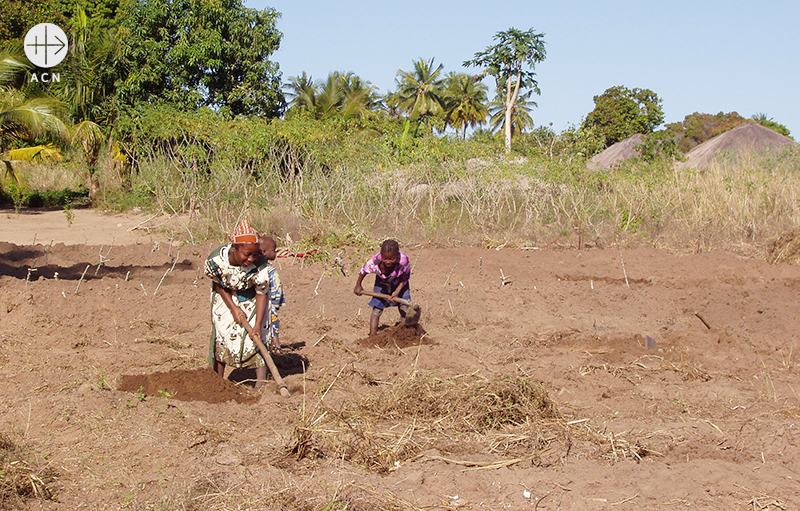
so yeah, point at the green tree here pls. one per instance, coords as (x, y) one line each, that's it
(198, 53)
(90, 137)
(391, 104)
(302, 93)
(360, 96)
(18, 16)
(90, 71)
(103, 14)
(621, 112)
(330, 96)
(343, 95)
(512, 61)
(466, 102)
(419, 92)
(87, 87)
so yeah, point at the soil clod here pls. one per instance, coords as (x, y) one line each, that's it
(200, 384)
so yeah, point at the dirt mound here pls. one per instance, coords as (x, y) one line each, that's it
(744, 138)
(200, 384)
(399, 335)
(617, 153)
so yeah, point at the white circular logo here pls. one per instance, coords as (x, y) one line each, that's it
(45, 45)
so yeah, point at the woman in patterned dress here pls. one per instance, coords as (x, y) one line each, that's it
(238, 294)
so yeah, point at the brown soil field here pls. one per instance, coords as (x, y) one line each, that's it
(537, 391)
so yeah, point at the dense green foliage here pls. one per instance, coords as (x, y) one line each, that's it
(420, 93)
(17, 16)
(202, 53)
(27, 118)
(343, 95)
(621, 112)
(465, 102)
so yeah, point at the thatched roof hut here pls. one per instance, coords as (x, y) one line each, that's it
(745, 138)
(617, 153)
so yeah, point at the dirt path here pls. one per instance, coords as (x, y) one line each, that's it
(88, 227)
(708, 419)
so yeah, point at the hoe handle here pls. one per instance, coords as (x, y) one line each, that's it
(386, 297)
(267, 358)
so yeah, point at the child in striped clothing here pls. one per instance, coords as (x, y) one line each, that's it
(271, 327)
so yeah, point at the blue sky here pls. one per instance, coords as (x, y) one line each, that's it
(704, 56)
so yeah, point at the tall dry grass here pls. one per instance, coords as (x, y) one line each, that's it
(737, 204)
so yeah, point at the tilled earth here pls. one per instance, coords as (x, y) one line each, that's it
(706, 418)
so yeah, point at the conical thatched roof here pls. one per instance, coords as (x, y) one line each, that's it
(744, 138)
(617, 153)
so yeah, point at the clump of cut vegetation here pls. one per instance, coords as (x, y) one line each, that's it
(498, 422)
(23, 476)
(504, 416)
(785, 247)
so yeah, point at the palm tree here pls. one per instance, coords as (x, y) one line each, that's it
(391, 105)
(360, 96)
(302, 91)
(93, 54)
(90, 137)
(331, 96)
(520, 113)
(24, 118)
(342, 94)
(420, 91)
(466, 102)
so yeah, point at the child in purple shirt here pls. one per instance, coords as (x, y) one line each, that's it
(392, 270)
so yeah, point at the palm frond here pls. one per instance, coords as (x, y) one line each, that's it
(39, 153)
(36, 118)
(12, 64)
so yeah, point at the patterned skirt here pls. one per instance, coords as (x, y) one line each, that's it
(230, 343)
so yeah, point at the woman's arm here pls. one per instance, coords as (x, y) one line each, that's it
(261, 310)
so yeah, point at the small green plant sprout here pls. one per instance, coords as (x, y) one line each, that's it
(679, 402)
(102, 385)
(140, 393)
(69, 213)
(164, 393)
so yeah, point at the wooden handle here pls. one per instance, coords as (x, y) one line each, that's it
(386, 297)
(284, 390)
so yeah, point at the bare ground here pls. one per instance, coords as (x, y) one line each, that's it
(537, 394)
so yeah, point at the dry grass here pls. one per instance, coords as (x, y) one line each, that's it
(736, 204)
(731, 205)
(465, 413)
(785, 247)
(215, 493)
(495, 422)
(23, 475)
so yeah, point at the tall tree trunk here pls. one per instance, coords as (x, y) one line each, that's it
(511, 101)
(509, 109)
(94, 176)
(94, 182)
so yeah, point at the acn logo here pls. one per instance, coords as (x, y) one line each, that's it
(45, 45)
